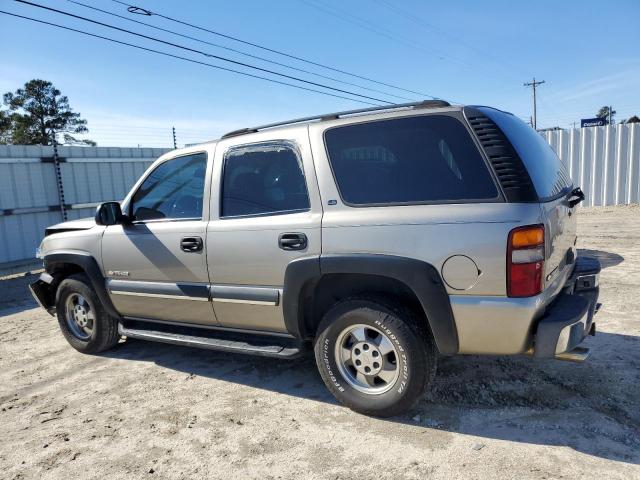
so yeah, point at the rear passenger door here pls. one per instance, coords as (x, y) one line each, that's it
(266, 213)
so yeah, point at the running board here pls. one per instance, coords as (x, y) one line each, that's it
(260, 345)
(578, 354)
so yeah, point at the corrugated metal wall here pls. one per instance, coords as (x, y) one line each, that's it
(29, 194)
(603, 161)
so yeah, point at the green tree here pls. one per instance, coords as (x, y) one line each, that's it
(38, 111)
(604, 113)
(634, 119)
(5, 127)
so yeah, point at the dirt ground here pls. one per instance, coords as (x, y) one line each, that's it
(161, 411)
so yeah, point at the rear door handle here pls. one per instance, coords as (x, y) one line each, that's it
(292, 241)
(191, 244)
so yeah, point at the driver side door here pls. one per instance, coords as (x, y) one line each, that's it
(155, 264)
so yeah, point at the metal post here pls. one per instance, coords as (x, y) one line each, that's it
(58, 171)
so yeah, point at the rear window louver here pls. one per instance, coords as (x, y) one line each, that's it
(506, 163)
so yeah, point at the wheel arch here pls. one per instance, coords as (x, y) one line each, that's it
(62, 264)
(313, 284)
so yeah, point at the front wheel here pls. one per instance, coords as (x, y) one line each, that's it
(375, 358)
(83, 320)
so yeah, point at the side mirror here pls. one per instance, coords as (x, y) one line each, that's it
(109, 213)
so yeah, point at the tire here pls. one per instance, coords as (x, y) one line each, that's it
(412, 361)
(76, 304)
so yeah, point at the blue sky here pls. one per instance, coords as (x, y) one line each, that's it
(462, 51)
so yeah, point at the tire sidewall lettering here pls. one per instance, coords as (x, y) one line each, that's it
(327, 363)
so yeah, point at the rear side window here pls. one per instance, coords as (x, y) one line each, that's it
(408, 160)
(548, 174)
(263, 179)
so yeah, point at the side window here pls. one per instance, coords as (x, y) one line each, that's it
(263, 179)
(174, 190)
(430, 158)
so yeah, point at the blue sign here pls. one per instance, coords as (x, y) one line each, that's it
(593, 122)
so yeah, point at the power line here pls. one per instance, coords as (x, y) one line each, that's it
(239, 52)
(210, 55)
(278, 52)
(187, 59)
(370, 26)
(428, 26)
(387, 33)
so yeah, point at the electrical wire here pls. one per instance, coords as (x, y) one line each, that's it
(428, 26)
(210, 55)
(186, 59)
(278, 52)
(239, 52)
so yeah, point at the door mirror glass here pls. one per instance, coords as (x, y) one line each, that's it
(109, 213)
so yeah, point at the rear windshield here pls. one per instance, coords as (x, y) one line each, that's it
(408, 160)
(548, 174)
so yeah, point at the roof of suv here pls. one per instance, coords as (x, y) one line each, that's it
(347, 113)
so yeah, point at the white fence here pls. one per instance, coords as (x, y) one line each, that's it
(29, 196)
(603, 161)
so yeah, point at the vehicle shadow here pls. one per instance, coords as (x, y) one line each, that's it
(607, 259)
(14, 293)
(590, 407)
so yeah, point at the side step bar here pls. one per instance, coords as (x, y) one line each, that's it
(248, 344)
(578, 354)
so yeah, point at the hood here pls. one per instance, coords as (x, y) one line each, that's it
(70, 226)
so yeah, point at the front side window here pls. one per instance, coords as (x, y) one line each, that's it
(174, 190)
(423, 159)
(263, 179)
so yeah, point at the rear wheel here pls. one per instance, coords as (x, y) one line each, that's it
(375, 358)
(83, 321)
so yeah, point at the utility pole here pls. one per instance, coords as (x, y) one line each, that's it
(173, 129)
(609, 114)
(534, 84)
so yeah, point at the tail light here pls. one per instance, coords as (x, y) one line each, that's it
(525, 261)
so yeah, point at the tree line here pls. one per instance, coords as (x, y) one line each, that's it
(38, 114)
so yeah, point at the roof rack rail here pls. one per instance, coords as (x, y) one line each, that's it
(331, 116)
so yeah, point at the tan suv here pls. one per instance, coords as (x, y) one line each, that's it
(383, 237)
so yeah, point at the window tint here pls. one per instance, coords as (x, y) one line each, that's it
(408, 160)
(173, 190)
(263, 179)
(547, 172)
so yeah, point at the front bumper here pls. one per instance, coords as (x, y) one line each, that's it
(570, 318)
(42, 292)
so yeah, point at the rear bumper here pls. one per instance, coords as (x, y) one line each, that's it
(570, 318)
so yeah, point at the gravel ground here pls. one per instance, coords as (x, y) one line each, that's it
(160, 411)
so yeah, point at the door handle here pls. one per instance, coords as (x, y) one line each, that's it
(292, 241)
(191, 244)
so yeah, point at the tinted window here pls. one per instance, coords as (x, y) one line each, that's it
(547, 172)
(408, 160)
(173, 190)
(263, 179)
